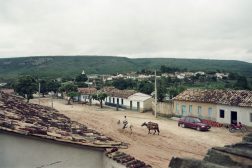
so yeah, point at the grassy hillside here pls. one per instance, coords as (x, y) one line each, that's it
(63, 66)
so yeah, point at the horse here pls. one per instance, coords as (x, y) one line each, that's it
(128, 126)
(151, 126)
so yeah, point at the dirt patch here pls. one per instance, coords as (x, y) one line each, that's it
(156, 150)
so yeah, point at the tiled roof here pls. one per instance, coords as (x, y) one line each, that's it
(8, 91)
(111, 91)
(32, 119)
(241, 98)
(125, 159)
(87, 91)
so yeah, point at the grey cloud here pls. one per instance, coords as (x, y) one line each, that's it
(143, 28)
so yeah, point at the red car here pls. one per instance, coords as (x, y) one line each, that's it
(193, 122)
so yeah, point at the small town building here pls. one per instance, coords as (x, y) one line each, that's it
(128, 99)
(85, 94)
(224, 106)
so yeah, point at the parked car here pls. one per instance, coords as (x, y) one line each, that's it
(193, 122)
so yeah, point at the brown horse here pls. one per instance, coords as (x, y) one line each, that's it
(151, 126)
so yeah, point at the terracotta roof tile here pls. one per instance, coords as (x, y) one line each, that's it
(46, 122)
(8, 91)
(87, 91)
(111, 91)
(241, 98)
(125, 159)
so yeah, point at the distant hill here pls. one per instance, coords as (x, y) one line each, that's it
(66, 66)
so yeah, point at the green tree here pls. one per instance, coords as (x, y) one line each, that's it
(69, 87)
(71, 95)
(174, 91)
(53, 86)
(124, 84)
(233, 76)
(242, 83)
(43, 87)
(146, 87)
(71, 91)
(81, 78)
(26, 86)
(100, 97)
(161, 93)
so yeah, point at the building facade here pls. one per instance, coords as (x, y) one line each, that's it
(128, 99)
(224, 106)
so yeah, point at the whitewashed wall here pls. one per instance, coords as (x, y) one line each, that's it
(243, 114)
(146, 105)
(164, 108)
(194, 112)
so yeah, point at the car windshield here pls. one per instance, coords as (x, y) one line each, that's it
(197, 120)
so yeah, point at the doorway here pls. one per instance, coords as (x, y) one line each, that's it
(233, 117)
(138, 106)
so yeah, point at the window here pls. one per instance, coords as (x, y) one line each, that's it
(199, 110)
(113, 100)
(109, 99)
(121, 101)
(190, 109)
(191, 120)
(250, 117)
(177, 110)
(222, 114)
(210, 110)
(187, 119)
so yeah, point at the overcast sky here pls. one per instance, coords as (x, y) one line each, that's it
(210, 29)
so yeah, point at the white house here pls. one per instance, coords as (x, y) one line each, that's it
(224, 106)
(85, 94)
(128, 99)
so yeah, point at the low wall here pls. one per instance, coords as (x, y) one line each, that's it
(163, 108)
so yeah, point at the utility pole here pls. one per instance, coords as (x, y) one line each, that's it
(155, 93)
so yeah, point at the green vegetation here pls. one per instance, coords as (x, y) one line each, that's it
(80, 80)
(71, 95)
(26, 86)
(67, 67)
(44, 70)
(124, 84)
(100, 97)
(70, 89)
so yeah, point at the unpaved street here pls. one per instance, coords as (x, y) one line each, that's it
(156, 150)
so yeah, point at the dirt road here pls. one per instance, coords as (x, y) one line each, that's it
(156, 150)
